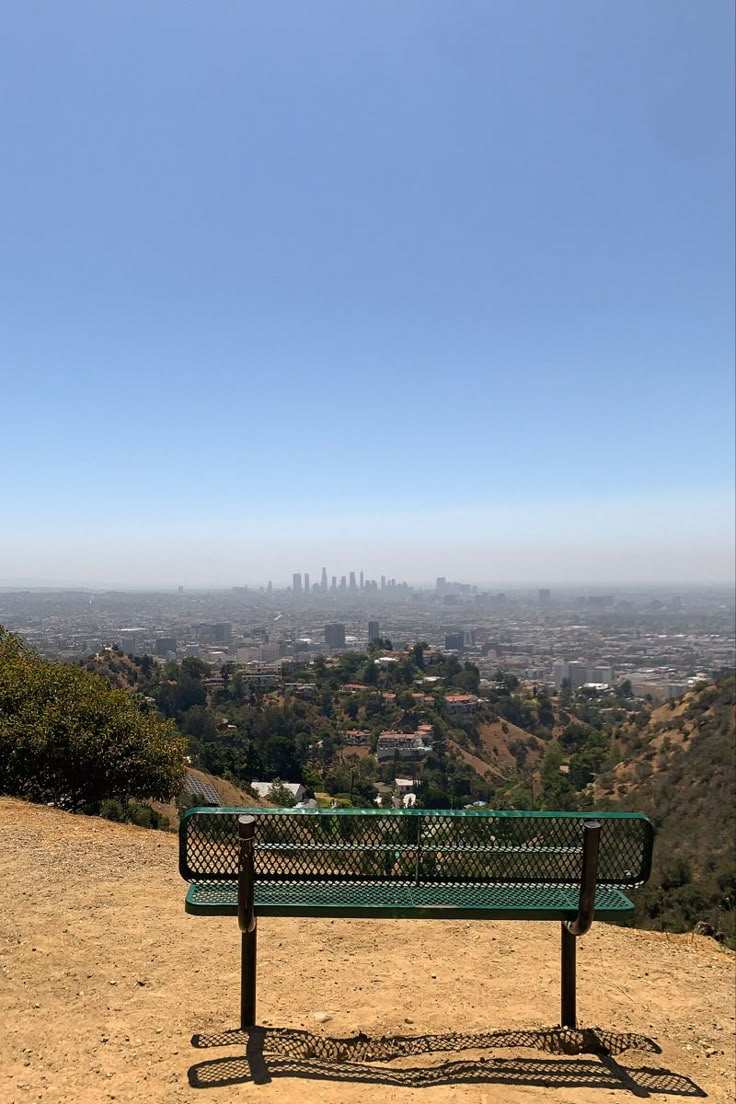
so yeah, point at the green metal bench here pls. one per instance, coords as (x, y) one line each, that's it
(412, 864)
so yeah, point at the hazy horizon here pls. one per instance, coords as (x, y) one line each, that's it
(501, 585)
(417, 289)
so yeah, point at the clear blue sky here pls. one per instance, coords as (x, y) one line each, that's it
(423, 287)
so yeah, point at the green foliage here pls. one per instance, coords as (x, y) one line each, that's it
(468, 679)
(199, 724)
(145, 816)
(174, 698)
(112, 809)
(558, 791)
(67, 737)
(195, 668)
(574, 737)
(691, 798)
(369, 674)
(354, 777)
(587, 761)
(281, 796)
(545, 712)
(132, 812)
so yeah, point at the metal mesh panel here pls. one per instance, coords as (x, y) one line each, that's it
(352, 896)
(419, 848)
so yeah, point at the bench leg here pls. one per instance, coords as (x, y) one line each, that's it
(568, 1015)
(248, 978)
(247, 921)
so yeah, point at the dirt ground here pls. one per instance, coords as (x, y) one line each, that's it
(109, 991)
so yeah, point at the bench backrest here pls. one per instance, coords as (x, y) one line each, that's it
(415, 846)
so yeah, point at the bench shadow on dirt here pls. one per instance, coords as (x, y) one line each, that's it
(588, 1060)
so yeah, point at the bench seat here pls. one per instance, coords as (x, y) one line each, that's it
(396, 901)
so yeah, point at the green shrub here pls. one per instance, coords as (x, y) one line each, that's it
(112, 809)
(67, 737)
(132, 812)
(142, 815)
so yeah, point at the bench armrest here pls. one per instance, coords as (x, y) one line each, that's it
(586, 907)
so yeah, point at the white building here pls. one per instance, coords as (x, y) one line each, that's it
(407, 745)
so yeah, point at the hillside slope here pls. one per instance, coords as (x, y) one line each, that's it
(105, 981)
(679, 767)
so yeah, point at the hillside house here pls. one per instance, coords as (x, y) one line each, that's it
(356, 737)
(407, 745)
(303, 690)
(462, 705)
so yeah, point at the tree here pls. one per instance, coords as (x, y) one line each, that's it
(575, 736)
(370, 674)
(546, 713)
(240, 687)
(199, 724)
(282, 755)
(565, 692)
(558, 793)
(194, 668)
(67, 737)
(347, 666)
(147, 666)
(468, 679)
(280, 795)
(404, 672)
(175, 698)
(506, 683)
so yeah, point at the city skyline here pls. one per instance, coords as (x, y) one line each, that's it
(535, 543)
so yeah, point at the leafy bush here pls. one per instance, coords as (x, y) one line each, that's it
(112, 809)
(145, 816)
(280, 795)
(67, 737)
(132, 812)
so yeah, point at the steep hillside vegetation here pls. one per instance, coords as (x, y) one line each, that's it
(677, 764)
